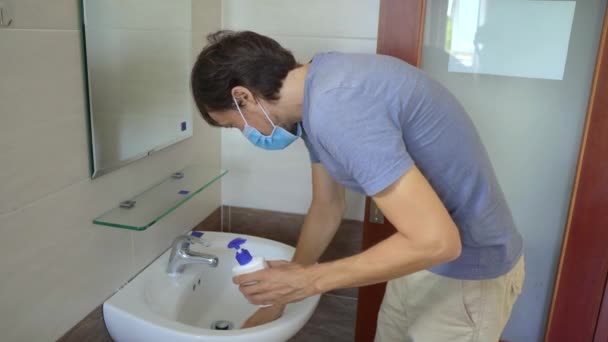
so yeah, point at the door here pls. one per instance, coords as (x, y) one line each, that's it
(577, 312)
(528, 100)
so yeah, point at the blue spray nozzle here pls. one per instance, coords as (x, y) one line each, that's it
(236, 243)
(243, 257)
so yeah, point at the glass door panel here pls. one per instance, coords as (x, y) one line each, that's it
(523, 70)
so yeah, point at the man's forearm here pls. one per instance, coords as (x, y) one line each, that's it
(319, 228)
(394, 257)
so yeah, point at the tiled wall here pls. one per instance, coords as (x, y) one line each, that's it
(55, 265)
(304, 27)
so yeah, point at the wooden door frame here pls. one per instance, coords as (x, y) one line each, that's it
(601, 331)
(576, 305)
(583, 268)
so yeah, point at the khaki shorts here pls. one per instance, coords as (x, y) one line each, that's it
(426, 307)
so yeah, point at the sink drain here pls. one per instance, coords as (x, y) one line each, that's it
(221, 325)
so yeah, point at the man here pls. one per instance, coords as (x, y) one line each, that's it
(381, 127)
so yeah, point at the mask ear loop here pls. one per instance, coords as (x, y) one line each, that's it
(266, 114)
(238, 108)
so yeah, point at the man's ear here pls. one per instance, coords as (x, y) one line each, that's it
(243, 96)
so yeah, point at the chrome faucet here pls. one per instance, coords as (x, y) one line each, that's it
(181, 255)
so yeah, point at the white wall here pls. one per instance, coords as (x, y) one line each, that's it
(57, 266)
(281, 180)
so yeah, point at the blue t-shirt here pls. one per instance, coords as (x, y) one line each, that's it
(370, 118)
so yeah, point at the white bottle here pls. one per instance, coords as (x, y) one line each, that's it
(256, 264)
(246, 262)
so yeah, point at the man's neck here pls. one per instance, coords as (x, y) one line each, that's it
(292, 95)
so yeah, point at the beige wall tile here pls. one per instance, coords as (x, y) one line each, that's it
(304, 48)
(318, 18)
(43, 132)
(199, 40)
(129, 14)
(206, 15)
(54, 288)
(44, 14)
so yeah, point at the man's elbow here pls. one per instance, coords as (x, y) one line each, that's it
(453, 245)
(448, 246)
(453, 251)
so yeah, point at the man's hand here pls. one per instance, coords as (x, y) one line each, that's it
(283, 282)
(263, 316)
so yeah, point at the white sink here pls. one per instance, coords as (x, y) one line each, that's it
(157, 307)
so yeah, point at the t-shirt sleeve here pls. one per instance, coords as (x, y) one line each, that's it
(359, 133)
(314, 158)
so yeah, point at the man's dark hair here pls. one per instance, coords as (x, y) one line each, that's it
(232, 59)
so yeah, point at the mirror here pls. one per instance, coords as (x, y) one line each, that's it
(138, 60)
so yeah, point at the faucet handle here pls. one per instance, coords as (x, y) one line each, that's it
(197, 237)
(182, 255)
(183, 242)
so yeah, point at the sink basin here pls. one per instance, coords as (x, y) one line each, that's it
(157, 307)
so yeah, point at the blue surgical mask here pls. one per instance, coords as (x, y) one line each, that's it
(277, 140)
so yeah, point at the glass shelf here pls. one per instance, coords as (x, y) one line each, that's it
(161, 199)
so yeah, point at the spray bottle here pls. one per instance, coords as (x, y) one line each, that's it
(246, 262)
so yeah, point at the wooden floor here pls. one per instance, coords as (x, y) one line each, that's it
(334, 319)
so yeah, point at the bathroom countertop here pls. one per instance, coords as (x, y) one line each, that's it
(91, 329)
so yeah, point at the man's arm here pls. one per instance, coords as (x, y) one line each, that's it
(323, 219)
(426, 236)
(320, 225)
